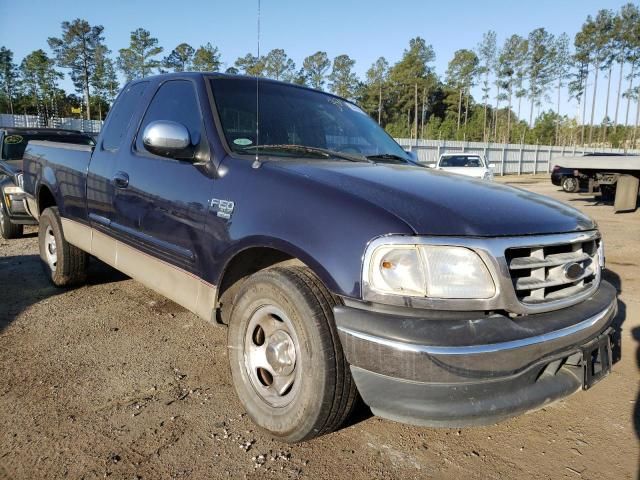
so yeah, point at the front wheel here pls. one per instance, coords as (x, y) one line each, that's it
(286, 360)
(570, 184)
(64, 263)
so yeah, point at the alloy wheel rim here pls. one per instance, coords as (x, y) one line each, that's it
(271, 356)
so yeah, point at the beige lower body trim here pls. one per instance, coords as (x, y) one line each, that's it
(182, 287)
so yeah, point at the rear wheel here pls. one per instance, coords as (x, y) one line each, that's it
(64, 263)
(286, 360)
(8, 230)
(570, 184)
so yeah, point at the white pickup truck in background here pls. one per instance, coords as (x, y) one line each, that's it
(469, 164)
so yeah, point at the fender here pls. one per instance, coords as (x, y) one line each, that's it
(283, 246)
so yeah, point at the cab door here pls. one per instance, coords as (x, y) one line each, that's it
(160, 203)
(116, 132)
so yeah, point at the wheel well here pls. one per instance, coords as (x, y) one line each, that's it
(240, 268)
(45, 199)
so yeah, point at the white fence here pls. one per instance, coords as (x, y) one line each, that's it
(507, 158)
(37, 121)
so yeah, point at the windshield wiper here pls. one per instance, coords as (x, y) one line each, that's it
(389, 156)
(325, 152)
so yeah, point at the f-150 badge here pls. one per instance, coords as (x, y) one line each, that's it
(223, 208)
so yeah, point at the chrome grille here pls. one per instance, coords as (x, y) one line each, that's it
(544, 273)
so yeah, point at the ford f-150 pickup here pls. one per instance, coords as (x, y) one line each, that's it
(339, 268)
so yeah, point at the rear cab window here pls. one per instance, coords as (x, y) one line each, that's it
(119, 117)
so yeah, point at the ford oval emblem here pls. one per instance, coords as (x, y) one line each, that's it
(573, 271)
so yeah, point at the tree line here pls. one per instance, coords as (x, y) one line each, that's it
(408, 98)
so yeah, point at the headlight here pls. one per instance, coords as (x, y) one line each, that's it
(429, 271)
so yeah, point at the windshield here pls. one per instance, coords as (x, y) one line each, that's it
(294, 121)
(461, 161)
(14, 145)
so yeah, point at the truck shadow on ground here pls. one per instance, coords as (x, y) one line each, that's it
(592, 200)
(615, 280)
(635, 333)
(23, 283)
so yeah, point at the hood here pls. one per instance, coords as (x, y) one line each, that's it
(438, 203)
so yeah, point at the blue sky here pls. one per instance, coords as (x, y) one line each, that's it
(362, 29)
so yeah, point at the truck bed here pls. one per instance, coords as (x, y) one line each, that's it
(610, 163)
(62, 168)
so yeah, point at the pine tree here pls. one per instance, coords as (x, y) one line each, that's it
(279, 66)
(76, 50)
(487, 56)
(8, 77)
(39, 80)
(206, 59)
(376, 78)
(540, 67)
(411, 74)
(461, 72)
(623, 45)
(179, 60)
(316, 67)
(250, 65)
(561, 67)
(592, 42)
(104, 81)
(137, 60)
(511, 61)
(342, 80)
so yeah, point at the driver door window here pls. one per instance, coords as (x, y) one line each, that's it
(174, 101)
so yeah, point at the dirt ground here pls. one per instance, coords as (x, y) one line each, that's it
(112, 380)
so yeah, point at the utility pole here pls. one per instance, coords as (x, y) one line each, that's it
(459, 110)
(415, 120)
(379, 102)
(424, 103)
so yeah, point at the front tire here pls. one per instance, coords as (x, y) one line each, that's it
(570, 184)
(64, 264)
(8, 230)
(286, 360)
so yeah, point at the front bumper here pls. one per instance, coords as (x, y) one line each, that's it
(467, 368)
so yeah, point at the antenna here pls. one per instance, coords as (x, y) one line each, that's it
(256, 163)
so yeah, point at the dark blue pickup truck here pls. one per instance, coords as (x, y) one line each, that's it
(340, 268)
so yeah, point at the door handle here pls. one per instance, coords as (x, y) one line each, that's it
(120, 180)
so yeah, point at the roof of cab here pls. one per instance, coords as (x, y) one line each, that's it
(176, 75)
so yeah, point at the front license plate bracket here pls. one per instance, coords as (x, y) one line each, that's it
(596, 360)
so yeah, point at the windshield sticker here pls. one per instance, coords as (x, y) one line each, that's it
(242, 141)
(13, 139)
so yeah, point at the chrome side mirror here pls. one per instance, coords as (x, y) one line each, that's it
(492, 165)
(168, 139)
